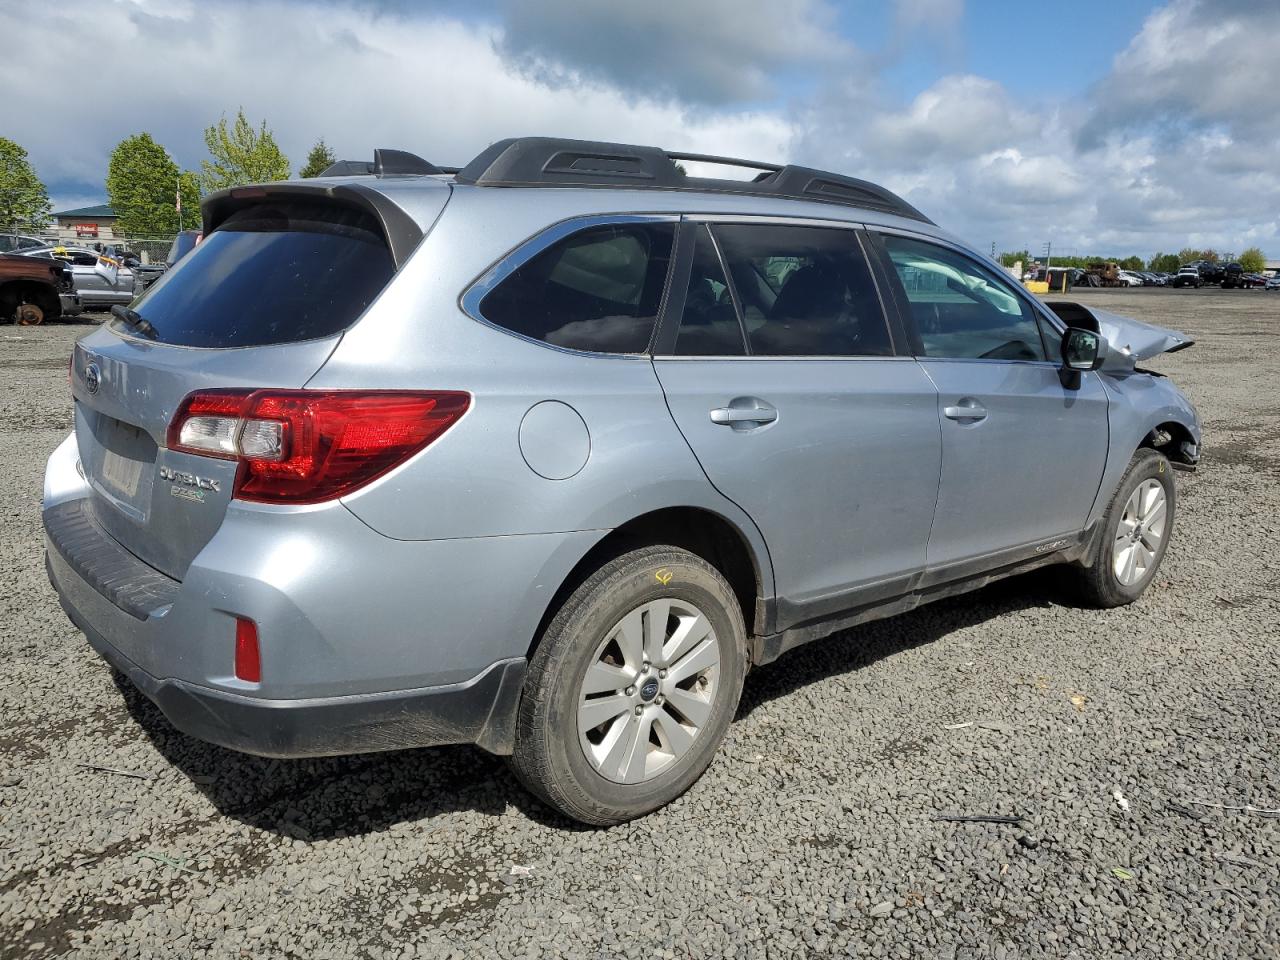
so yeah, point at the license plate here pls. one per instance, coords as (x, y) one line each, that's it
(121, 474)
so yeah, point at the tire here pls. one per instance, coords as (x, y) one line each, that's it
(1107, 580)
(586, 638)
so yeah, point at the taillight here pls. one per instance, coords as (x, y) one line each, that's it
(305, 446)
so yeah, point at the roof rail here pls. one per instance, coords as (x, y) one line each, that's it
(553, 162)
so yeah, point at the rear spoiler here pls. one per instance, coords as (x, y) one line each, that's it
(400, 230)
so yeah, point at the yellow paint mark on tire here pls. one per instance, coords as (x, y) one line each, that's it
(663, 576)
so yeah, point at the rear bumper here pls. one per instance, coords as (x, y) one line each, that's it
(367, 643)
(480, 710)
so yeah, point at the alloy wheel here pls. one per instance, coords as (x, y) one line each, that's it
(648, 691)
(1140, 532)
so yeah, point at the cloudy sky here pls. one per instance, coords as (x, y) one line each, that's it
(1110, 126)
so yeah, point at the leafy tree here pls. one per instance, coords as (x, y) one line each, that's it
(24, 201)
(320, 159)
(1253, 260)
(1132, 263)
(1165, 263)
(241, 155)
(1008, 259)
(143, 183)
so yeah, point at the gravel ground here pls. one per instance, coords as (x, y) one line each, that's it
(812, 834)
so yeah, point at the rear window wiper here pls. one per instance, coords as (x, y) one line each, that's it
(134, 320)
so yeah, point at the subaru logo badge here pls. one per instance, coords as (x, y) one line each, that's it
(649, 690)
(92, 378)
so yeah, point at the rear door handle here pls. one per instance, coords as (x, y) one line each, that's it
(967, 409)
(744, 410)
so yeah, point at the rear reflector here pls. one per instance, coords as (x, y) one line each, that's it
(305, 446)
(248, 658)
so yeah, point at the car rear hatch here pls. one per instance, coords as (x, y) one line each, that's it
(261, 303)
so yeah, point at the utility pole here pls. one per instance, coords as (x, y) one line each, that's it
(1048, 255)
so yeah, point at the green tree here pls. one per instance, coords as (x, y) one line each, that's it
(1165, 263)
(241, 155)
(143, 184)
(320, 159)
(24, 201)
(1008, 259)
(1132, 263)
(1253, 260)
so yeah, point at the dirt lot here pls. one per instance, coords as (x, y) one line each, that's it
(812, 834)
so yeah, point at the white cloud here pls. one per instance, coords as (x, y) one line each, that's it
(359, 79)
(1178, 144)
(712, 51)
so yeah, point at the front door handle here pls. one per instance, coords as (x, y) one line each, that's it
(968, 410)
(744, 412)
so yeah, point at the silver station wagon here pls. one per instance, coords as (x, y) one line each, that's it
(544, 453)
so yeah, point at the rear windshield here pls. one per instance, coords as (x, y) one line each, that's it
(272, 273)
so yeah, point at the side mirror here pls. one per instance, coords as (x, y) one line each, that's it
(1081, 351)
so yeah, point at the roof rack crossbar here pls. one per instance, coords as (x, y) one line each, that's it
(724, 161)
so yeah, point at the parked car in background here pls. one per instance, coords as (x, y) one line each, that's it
(545, 453)
(96, 288)
(1272, 283)
(13, 242)
(1130, 279)
(35, 290)
(1188, 277)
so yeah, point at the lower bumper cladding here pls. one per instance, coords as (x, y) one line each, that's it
(481, 711)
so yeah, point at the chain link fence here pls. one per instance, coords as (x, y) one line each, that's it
(147, 249)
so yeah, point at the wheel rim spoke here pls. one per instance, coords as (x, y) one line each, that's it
(1155, 519)
(675, 736)
(601, 710)
(692, 707)
(605, 677)
(695, 661)
(656, 615)
(630, 636)
(612, 753)
(635, 761)
(690, 632)
(1130, 562)
(637, 717)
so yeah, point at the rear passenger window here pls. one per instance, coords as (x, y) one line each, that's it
(597, 290)
(960, 310)
(804, 291)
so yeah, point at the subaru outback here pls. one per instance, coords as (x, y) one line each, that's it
(544, 453)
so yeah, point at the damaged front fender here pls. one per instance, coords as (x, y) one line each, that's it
(1129, 341)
